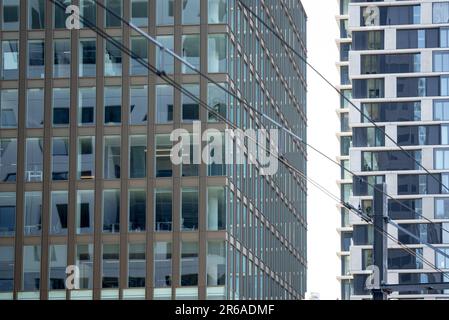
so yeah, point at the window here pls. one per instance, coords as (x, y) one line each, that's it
(191, 12)
(216, 263)
(137, 210)
(444, 38)
(10, 60)
(163, 161)
(441, 110)
(7, 214)
(112, 105)
(164, 103)
(368, 40)
(85, 261)
(441, 61)
(111, 266)
(165, 12)
(216, 208)
(31, 268)
(401, 259)
(36, 59)
(57, 257)
(217, 11)
(136, 265)
(59, 15)
(116, 7)
(190, 146)
(10, 15)
(113, 59)
(390, 63)
(138, 157)
(190, 107)
(440, 12)
(60, 159)
(88, 9)
(441, 159)
(35, 108)
(8, 160)
(61, 107)
(162, 264)
(391, 160)
(218, 101)
(391, 111)
(112, 157)
(163, 210)
(86, 106)
(36, 14)
(368, 88)
(87, 57)
(7, 268)
(189, 209)
(400, 209)
(111, 211)
(61, 58)
(34, 160)
(139, 12)
(165, 62)
(59, 210)
(346, 241)
(189, 264)
(217, 55)
(85, 203)
(441, 261)
(9, 106)
(33, 214)
(139, 45)
(86, 158)
(138, 105)
(442, 208)
(345, 145)
(191, 52)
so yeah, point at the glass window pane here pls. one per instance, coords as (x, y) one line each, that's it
(111, 266)
(35, 108)
(163, 161)
(138, 157)
(217, 11)
(36, 59)
(57, 256)
(61, 58)
(60, 159)
(189, 209)
(31, 268)
(7, 268)
(162, 264)
(34, 160)
(111, 211)
(216, 208)
(189, 264)
(165, 62)
(9, 105)
(137, 210)
(33, 213)
(59, 211)
(112, 157)
(112, 105)
(7, 214)
(85, 261)
(190, 107)
(216, 263)
(86, 106)
(139, 12)
(136, 265)
(61, 106)
(163, 210)
(164, 103)
(217, 55)
(59, 15)
(191, 52)
(138, 105)
(139, 45)
(36, 14)
(113, 59)
(10, 60)
(165, 12)
(85, 203)
(190, 146)
(86, 158)
(10, 15)
(191, 12)
(116, 7)
(8, 160)
(87, 57)
(88, 10)
(218, 101)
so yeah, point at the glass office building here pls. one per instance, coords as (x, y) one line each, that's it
(398, 69)
(86, 178)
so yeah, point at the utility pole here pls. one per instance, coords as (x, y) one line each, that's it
(380, 247)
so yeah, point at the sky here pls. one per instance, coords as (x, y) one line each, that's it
(323, 124)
